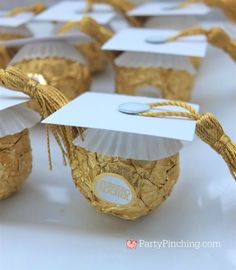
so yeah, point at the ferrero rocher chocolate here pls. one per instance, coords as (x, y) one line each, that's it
(151, 182)
(170, 77)
(58, 63)
(15, 162)
(94, 55)
(5, 57)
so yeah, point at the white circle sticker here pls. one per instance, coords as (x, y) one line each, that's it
(114, 189)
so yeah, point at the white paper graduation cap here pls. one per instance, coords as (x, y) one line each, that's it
(16, 20)
(75, 10)
(111, 132)
(168, 9)
(151, 41)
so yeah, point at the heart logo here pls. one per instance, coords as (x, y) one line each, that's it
(132, 244)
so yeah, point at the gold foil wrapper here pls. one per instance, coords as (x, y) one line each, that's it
(152, 181)
(70, 77)
(173, 84)
(6, 54)
(196, 61)
(95, 56)
(5, 57)
(15, 162)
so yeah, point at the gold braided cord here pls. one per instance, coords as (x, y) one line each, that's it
(228, 6)
(208, 129)
(216, 36)
(50, 100)
(66, 27)
(122, 6)
(90, 27)
(35, 8)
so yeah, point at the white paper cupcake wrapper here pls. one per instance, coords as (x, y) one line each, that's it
(127, 145)
(172, 22)
(20, 30)
(138, 59)
(16, 119)
(48, 49)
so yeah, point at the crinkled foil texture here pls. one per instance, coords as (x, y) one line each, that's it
(6, 54)
(95, 56)
(15, 162)
(173, 84)
(70, 77)
(152, 181)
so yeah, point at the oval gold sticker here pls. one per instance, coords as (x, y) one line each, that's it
(114, 189)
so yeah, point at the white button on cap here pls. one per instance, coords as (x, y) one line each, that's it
(155, 40)
(134, 108)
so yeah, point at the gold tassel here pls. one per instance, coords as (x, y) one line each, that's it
(208, 130)
(89, 27)
(35, 8)
(122, 6)
(49, 99)
(216, 36)
(99, 32)
(228, 6)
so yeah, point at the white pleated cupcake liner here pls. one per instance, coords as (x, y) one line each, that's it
(127, 145)
(137, 59)
(16, 119)
(48, 49)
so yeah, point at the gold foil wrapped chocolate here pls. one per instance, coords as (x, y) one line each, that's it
(15, 148)
(93, 54)
(104, 178)
(146, 74)
(10, 33)
(15, 162)
(152, 181)
(59, 63)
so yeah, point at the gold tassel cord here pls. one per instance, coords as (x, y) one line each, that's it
(90, 27)
(122, 6)
(208, 130)
(49, 99)
(35, 8)
(99, 32)
(228, 6)
(95, 30)
(216, 36)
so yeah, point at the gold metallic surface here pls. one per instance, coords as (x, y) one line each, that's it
(173, 84)
(6, 54)
(152, 181)
(70, 77)
(15, 162)
(5, 57)
(94, 55)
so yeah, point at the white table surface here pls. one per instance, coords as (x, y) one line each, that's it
(50, 225)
